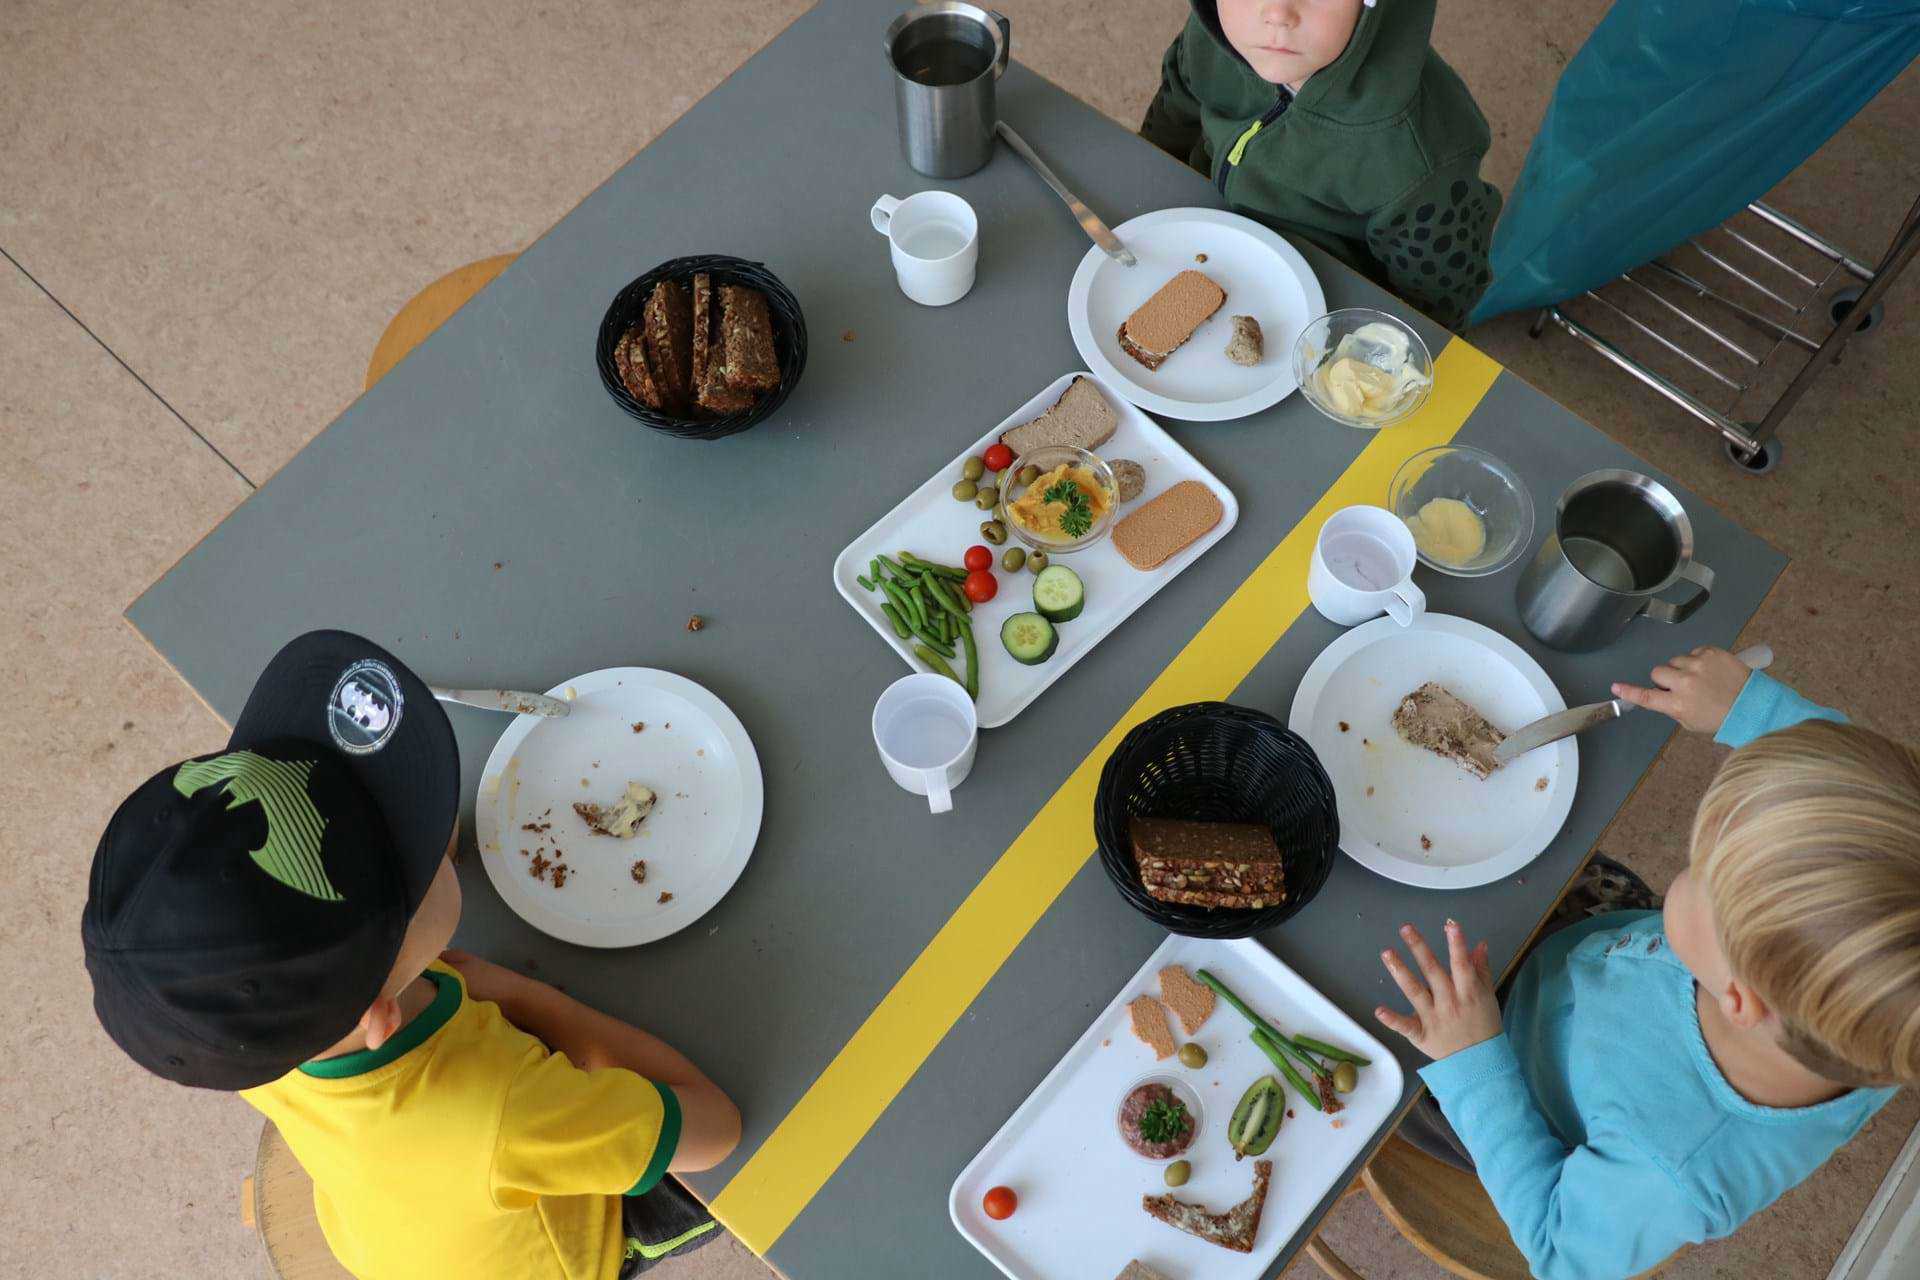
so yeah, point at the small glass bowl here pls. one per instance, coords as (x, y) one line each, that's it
(1184, 1092)
(1316, 344)
(1487, 485)
(1047, 457)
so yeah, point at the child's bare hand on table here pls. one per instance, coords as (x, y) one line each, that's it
(1453, 1005)
(1697, 689)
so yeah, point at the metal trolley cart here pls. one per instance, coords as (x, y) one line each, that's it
(1769, 275)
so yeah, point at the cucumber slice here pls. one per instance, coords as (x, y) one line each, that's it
(1029, 638)
(1058, 594)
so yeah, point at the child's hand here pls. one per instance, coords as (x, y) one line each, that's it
(485, 979)
(1697, 689)
(1451, 1010)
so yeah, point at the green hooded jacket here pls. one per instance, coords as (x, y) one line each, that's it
(1377, 160)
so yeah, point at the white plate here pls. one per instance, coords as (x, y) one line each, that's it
(1264, 276)
(693, 753)
(1391, 794)
(1079, 1186)
(929, 523)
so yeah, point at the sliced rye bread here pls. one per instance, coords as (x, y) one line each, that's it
(630, 359)
(1163, 323)
(743, 358)
(1080, 417)
(1168, 525)
(1235, 1229)
(1217, 899)
(669, 320)
(702, 328)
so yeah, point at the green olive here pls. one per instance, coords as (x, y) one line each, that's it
(1177, 1173)
(986, 496)
(1345, 1077)
(995, 532)
(1028, 474)
(964, 490)
(1036, 561)
(1015, 559)
(973, 468)
(1192, 1055)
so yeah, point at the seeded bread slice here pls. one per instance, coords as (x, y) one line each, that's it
(743, 356)
(1235, 1229)
(1168, 525)
(1080, 417)
(630, 359)
(702, 327)
(669, 320)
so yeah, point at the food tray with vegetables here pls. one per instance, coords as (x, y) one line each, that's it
(1192, 1128)
(1011, 562)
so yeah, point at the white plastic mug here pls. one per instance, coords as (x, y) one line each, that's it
(1363, 567)
(935, 240)
(926, 730)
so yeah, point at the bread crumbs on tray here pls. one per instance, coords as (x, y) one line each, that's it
(1539, 784)
(538, 867)
(638, 871)
(1344, 726)
(639, 726)
(559, 875)
(1425, 843)
(1199, 257)
(664, 897)
(1369, 790)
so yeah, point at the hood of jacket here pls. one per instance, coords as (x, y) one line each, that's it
(1375, 76)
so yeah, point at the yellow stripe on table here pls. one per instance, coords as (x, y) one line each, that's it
(798, 1157)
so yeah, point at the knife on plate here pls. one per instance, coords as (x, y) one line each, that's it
(1563, 724)
(507, 700)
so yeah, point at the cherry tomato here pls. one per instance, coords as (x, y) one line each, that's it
(980, 586)
(977, 559)
(997, 457)
(1000, 1203)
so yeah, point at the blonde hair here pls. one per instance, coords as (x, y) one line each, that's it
(1807, 847)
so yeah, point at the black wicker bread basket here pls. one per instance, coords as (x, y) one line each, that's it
(789, 342)
(1215, 762)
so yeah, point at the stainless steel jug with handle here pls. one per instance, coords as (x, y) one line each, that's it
(1619, 539)
(946, 57)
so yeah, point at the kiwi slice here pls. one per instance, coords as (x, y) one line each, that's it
(1256, 1119)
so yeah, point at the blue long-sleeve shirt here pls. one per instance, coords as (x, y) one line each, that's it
(1599, 1123)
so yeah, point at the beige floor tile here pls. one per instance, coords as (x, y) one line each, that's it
(238, 197)
(103, 488)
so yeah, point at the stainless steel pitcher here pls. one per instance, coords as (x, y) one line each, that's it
(1619, 539)
(945, 58)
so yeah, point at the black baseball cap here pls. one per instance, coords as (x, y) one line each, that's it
(246, 907)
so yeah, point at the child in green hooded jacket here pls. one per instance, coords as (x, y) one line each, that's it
(1335, 120)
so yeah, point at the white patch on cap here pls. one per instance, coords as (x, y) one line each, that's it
(365, 707)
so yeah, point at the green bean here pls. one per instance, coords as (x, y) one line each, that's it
(973, 659)
(895, 569)
(1299, 1055)
(928, 566)
(943, 597)
(873, 568)
(1220, 988)
(933, 660)
(899, 597)
(899, 623)
(921, 605)
(933, 640)
(864, 581)
(943, 623)
(1306, 1091)
(1328, 1051)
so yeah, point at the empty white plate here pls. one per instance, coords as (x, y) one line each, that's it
(692, 752)
(1264, 276)
(1405, 812)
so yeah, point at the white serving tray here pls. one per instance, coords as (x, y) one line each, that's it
(929, 523)
(1079, 1186)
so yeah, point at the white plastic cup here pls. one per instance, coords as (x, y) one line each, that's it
(935, 240)
(926, 731)
(1363, 567)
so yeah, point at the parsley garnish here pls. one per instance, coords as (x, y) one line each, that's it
(1078, 516)
(1164, 1121)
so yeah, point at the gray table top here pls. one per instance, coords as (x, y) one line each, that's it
(494, 442)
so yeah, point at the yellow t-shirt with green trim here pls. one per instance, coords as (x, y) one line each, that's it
(463, 1147)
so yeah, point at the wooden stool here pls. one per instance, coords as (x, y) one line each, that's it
(278, 1202)
(430, 308)
(1443, 1212)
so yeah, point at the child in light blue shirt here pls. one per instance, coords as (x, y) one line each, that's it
(1656, 1078)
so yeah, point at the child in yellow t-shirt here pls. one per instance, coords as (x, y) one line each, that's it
(271, 920)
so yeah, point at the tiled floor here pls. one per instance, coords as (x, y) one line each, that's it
(228, 200)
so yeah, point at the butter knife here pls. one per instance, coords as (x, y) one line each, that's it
(507, 700)
(1563, 724)
(1089, 221)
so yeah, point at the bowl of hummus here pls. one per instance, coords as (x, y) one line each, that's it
(1469, 514)
(1065, 504)
(1363, 368)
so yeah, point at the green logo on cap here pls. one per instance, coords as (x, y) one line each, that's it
(291, 853)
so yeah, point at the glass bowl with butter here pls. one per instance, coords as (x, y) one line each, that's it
(1363, 368)
(1067, 506)
(1469, 513)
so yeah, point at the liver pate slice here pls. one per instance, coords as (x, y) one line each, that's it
(1434, 718)
(1149, 1018)
(1165, 321)
(1080, 417)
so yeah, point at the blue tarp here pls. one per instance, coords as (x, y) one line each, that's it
(1672, 118)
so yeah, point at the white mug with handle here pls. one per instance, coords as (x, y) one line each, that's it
(1363, 567)
(926, 730)
(935, 241)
